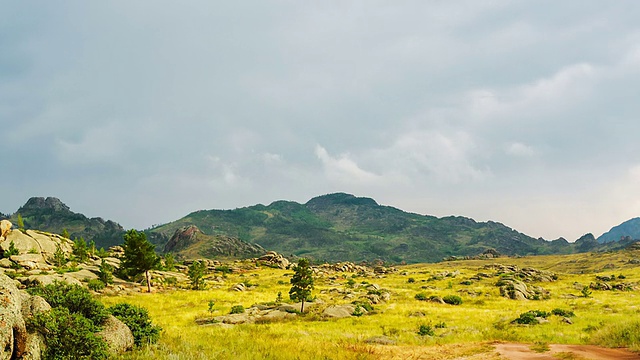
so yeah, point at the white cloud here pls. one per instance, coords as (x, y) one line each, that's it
(520, 150)
(342, 169)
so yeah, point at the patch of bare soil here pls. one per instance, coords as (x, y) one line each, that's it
(511, 351)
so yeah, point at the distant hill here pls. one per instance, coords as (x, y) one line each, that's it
(189, 242)
(52, 215)
(628, 230)
(341, 227)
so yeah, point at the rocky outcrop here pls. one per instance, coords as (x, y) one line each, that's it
(5, 228)
(52, 215)
(13, 333)
(273, 259)
(190, 242)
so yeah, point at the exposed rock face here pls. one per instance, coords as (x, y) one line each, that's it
(117, 335)
(272, 258)
(190, 242)
(339, 311)
(182, 238)
(13, 333)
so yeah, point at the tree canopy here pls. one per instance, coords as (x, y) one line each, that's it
(301, 282)
(139, 255)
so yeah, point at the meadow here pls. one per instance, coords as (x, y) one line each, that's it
(465, 331)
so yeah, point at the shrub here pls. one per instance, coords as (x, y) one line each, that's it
(358, 311)
(425, 330)
(137, 319)
(73, 297)
(363, 304)
(452, 299)
(561, 312)
(95, 285)
(224, 269)
(12, 250)
(586, 292)
(411, 280)
(530, 317)
(440, 325)
(68, 335)
(421, 296)
(466, 282)
(237, 309)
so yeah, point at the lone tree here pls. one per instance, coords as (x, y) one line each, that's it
(139, 256)
(301, 282)
(196, 274)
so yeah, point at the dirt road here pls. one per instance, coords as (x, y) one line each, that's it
(511, 351)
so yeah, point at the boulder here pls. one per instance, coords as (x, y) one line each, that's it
(31, 261)
(5, 228)
(339, 311)
(13, 333)
(272, 258)
(117, 335)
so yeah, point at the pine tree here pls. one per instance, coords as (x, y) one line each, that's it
(301, 282)
(196, 275)
(139, 255)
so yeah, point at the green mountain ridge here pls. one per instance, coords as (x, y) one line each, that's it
(343, 227)
(333, 227)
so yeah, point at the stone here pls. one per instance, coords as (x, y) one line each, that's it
(13, 333)
(82, 275)
(5, 263)
(33, 305)
(339, 311)
(34, 346)
(276, 315)
(238, 287)
(117, 335)
(30, 261)
(567, 320)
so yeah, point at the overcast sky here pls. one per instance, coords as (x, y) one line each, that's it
(522, 112)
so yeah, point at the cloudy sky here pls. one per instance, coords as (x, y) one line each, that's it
(522, 112)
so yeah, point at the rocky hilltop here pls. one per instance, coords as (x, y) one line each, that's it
(627, 231)
(52, 215)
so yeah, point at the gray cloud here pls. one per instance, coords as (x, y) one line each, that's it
(519, 112)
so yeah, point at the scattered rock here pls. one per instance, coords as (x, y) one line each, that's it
(13, 333)
(238, 287)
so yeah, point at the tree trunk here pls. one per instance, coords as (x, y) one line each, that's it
(146, 273)
(302, 307)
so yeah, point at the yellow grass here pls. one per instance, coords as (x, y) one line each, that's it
(470, 327)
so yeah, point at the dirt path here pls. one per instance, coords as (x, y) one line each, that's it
(511, 351)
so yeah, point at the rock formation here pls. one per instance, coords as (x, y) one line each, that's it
(5, 228)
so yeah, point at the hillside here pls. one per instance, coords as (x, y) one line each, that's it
(628, 230)
(52, 215)
(342, 227)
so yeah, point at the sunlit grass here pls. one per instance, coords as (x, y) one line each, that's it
(483, 317)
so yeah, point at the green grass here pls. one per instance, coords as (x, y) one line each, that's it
(481, 318)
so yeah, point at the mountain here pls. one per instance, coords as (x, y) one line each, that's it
(343, 227)
(190, 242)
(628, 230)
(52, 215)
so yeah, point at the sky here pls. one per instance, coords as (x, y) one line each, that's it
(521, 112)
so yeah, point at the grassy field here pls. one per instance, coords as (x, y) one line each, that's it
(464, 331)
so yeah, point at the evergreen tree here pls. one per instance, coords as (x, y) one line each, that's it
(80, 249)
(139, 255)
(106, 273)
(301, 282)
(20, 222)
(59, 258)
(65, 233)
(196, 275)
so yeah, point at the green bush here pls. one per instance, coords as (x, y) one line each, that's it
(411, 280)
(95, 285)
(137, 319)
(452, 299)
(73, 297)
(363, 304)
(12, 250)
(358, 311)
(106, 272)
(530, 317)
(424, 330)
(421, 296)
(68, 335)
(561, 312)
(237, 309)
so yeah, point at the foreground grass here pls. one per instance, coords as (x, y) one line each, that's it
(483, 317)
